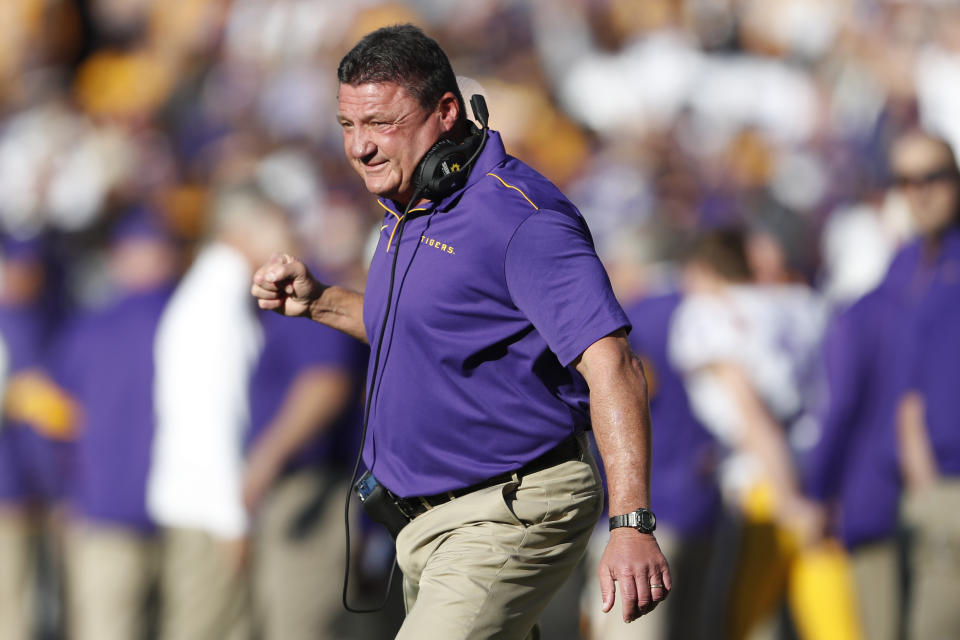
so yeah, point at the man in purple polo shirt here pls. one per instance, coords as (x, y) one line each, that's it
(106, 364)
(31, 465)
(868, 350)
(852, 468)
(930, 454)
(502, 343)
(927, 419)
(304, 419)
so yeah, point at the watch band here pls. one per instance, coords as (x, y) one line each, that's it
(642, 520)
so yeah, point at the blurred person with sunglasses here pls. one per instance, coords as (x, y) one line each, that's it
(867, 354)
(928, 438)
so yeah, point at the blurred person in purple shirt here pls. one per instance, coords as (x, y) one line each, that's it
(867, 356)
(34, 443)
(304, 428)
(105, 362)
(852, 468)
(502, 344)
(928, 438)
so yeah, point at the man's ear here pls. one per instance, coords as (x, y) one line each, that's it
(449, 110)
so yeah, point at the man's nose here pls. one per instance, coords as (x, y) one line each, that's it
(359, 144)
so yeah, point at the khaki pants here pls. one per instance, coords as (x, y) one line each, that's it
(203, 597)
(110, 571)
(876, 573)
(297, 575)
(17, 576)
(486, 564)
(933, 516)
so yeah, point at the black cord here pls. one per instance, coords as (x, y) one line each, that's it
(366, 419)
(480, 112)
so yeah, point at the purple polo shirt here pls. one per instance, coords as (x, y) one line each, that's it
(935, 369)
(498, 289)
(854, 465)
(290, 347)
(684, 491)
(867, 356)
(106, 363)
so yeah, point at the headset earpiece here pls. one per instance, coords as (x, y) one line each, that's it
(445, 167)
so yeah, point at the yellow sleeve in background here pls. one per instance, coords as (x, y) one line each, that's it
(31, 397)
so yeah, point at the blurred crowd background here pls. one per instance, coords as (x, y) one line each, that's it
(153, 153)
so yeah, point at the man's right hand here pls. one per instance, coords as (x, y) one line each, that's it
(285, 285)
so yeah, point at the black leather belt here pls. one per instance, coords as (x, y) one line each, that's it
(569, 449)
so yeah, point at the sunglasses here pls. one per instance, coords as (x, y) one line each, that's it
(903, 181)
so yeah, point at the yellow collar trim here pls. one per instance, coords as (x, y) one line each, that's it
(510, 186)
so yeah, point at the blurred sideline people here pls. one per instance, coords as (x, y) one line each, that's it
(746, 353)
(685, 494)
(105, 362)
(208, 343)
(34, 442)
(868, 352)
(925, 169)
(680, 113)
(304, 405)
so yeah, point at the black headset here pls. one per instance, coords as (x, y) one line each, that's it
(445, 166)
(443, 170)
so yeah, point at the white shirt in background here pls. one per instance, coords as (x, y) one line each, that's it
(207, 344)
(772, 333)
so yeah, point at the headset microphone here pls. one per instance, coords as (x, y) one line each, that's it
(443, 170)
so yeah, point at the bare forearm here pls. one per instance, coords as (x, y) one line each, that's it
(917, 462)
(621, 424)
(340, 309)
(315, 399)
(761, 436)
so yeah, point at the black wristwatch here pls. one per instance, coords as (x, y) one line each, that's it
(642, 520)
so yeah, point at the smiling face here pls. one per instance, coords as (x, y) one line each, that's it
(386, 132)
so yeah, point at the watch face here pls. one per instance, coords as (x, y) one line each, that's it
(646, 520)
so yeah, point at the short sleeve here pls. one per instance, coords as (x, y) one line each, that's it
(556, 279)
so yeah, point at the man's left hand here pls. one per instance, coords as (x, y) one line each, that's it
(634, 561)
